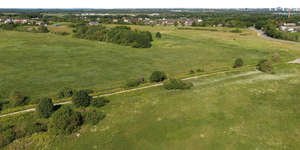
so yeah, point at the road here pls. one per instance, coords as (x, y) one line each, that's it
(120, 92)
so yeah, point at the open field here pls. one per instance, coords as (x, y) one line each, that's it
(40, 64)
(246, 110)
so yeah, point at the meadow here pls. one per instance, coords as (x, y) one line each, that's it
(244, 110)
(38, 64)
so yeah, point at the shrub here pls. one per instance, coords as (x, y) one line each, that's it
(65, 92)
(236, 31)
(45, 108)
(172, 84)
(16, 98)
(135, 82)
(81, 99)
(64, 121)
(265, 66)
(92, 116)
(158, 35)
(192, 71)
(238, 63)
(200, 70)
(99, 102)
(158, 76)
(7, 136)
(29, 127)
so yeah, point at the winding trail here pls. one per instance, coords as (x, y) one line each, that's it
(262, 34)
(121, 92)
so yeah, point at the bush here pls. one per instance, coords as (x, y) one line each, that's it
(65, 92)
(200, 70)
(62, 33)
(16, 98)
(99, 102)
(29, 127)
(6, 137)
(81, 99)
(236, 31)
(45, 108)
(173, 84)
(238, 63)
(135, 82)
(158, 76)
(92, 116)
(158, 35)
(64, 121)
(265, 66)
(192, 71)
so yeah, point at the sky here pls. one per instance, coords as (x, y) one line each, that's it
(149, 3)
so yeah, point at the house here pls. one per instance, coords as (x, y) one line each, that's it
(140, 19)
(290, 24)
(126, 20)
(115, 20)
(39, 23)
(7, 21)
(21, 21)
(94, 23)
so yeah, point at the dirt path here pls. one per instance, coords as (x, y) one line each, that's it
(120, 92)
(261, 33)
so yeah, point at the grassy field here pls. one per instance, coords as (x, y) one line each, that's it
(246, 110)
(39, 64)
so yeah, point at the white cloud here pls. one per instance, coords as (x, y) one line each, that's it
(149, 3)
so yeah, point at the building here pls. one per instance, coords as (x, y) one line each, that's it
(7, 21)
(21, 21)
(115, 20)
(94, 23)
(290, 24)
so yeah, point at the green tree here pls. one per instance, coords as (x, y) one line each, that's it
(158, 35)
(158, 76)
(265, 66)
(81, 98)
(64, 121)
(238, 63)
(45, 108)
(175, 23)
(173, 84)
(99, 102)
(194, 24)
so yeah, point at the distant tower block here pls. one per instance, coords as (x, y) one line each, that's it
(289, 13)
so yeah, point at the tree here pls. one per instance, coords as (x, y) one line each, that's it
(65, 92)
(194, 24)
(99, 102)
(238, 63)
(173, 84)
(43, 29)
(265, 66)
(64, 121)
(182, 23)
(158, 35)
(81, 99)
(45, 108)
(16, 98)
(158, 76)
(175, 23)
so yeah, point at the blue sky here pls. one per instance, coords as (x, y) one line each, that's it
(149, 3)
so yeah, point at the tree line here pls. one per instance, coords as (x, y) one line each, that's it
(122, 35)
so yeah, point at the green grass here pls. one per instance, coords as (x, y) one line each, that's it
(246, 110)
(40, 64)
